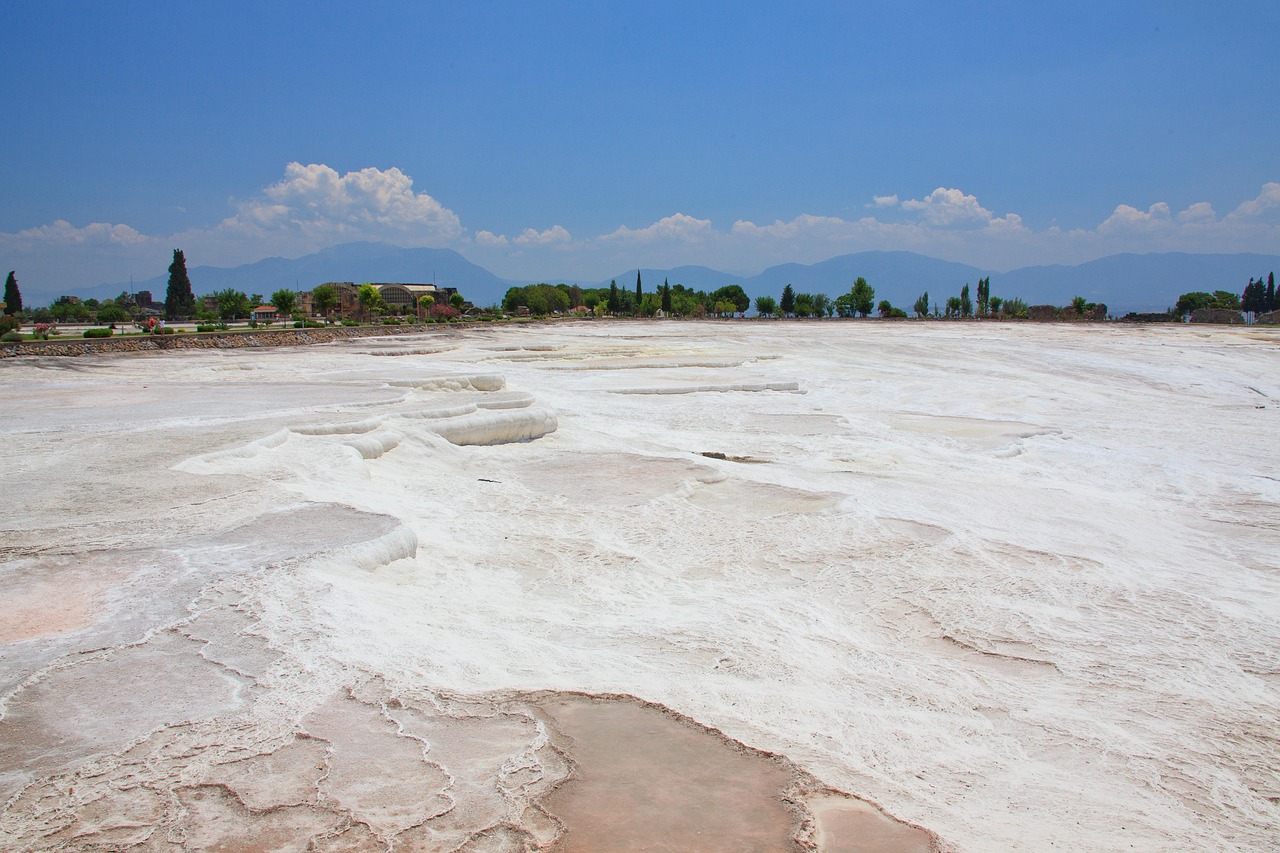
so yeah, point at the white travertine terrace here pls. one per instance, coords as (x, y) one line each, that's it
(1015, 584)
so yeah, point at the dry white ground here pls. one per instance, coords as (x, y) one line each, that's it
(1018, 585)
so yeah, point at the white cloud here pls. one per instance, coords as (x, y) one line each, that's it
(1201, 211)
(1265, 206)
(803, 225)
(1127, 218)
(886, 200)
(949, 207)
(314, 205)
(60, 232)
(490, 240)
(554, 235)
(679, 226)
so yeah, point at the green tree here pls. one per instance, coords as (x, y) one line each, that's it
(457, 300)
(788, 303)
(284, 301)
(1016, 307)
(822, 305)
(666, 297)
(734, 294)
(1271, 293)
(864, 296)
(1226, 299)
(1080, 305)
(68, 309)
(639, 293)
(1193, 301)
(803, 306)
(922, 305)
(615, 302)
(996, 303)
(179, 301)
(984, 296)
(966, 304)
(425, 303)
(111, 313)
(844, 305)
(12, 296)
(370, 300)
(684, 302)
(1254, 297)
(324, 299)
(766, 306)
(232, 303)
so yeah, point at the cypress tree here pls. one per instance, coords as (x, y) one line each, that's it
(12, 297)
(613, 296)
(639, 293)
(788, 302)
(666, 297)
(179, 301)
(1271, 291)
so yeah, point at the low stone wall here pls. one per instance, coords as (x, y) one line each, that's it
(1155, 317)
(204, 340)
(1217, 315)
(1054, 314)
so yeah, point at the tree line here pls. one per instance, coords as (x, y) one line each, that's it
(668, 300)
(1258, 298)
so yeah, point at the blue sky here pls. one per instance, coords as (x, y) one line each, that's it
(571, 140)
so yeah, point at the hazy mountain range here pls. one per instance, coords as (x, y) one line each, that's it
(1125, 282)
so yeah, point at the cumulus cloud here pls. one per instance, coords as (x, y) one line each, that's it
(60, 232)
(318, 204)
(679, 226)
(1128, 218)
(804, 225)
(554, 235)
(1265, 206)
(886, 200)
(949, 207)
(1201, 211)
(491, 240)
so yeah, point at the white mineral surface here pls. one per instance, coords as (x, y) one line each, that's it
(1016, 585)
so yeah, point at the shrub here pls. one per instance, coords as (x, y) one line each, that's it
(211, 327)
(443, 312)
(98, 333)
(11, 337)
(347, 321)
(9, 323)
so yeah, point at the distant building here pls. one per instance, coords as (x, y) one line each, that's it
(406, 296)
(264, 314)
(399, 296)
(347, 302)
